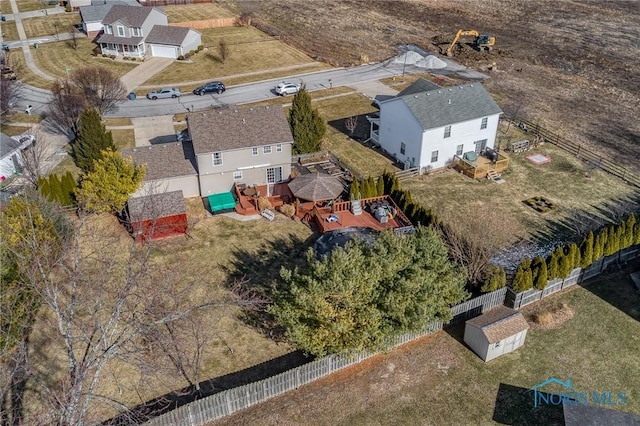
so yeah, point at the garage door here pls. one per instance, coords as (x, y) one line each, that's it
(163, 51)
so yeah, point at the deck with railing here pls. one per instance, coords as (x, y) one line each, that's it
(479, 168)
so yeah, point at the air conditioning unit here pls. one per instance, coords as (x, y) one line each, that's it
(406, 165)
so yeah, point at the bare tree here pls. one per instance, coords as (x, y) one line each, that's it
(11, 91)
(351, 124)
(72, 40)
(65, 108)
(102, 88)
(37, 157)
(224, 50)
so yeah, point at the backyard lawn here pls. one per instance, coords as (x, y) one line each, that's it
(50, 25)
(195, 12)
(123, 138)
(437, 380)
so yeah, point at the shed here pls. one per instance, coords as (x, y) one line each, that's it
(496, 332)
(157, 216)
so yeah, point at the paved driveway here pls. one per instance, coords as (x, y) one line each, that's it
(154, 130)
(144, 72)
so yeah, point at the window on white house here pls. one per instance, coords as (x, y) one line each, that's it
(136, 32)
(120, 31)
(217, 159)
(237, 175)
(403, 148)
(434, 156)
(447, 131)
(483, 125)
(497, 345)
(254, 150)
(459, 149)
(266, 149)
(279, 147)
(108, 29)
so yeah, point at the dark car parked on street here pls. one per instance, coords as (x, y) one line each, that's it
(212, 87)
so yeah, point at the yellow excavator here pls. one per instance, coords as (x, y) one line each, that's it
(482, 42)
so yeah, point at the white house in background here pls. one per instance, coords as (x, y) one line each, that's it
(496, 332)
(425, 129)
(93, 15)
(11, 148)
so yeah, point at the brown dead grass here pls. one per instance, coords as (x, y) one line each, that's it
(550, 317)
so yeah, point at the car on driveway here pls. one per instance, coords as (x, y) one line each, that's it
(167, 92)
(284, 88)
(211, 87)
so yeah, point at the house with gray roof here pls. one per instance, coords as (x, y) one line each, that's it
(172, 42)
(11, 148)
(426, 126)
(250, 146)
(93, 14)
(169, 167)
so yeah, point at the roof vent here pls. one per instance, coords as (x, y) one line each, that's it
(471, 85)
(235, 110)
(439, 91)
(267, 107)
(449, 101)
(243, 120)
(450, 90)
(428, 94)
(220, 112)
(415, 96)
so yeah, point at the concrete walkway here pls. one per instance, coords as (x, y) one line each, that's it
(144, 72)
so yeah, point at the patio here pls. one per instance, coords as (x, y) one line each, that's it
(277, 194)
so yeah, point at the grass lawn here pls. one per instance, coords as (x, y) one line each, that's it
(9, 31)
(497, 212)
(29, 5)
(67, 165)
(24, 73)
(123, 138)
(5, 7)
(54, 58)
(359, 158)
(195, 12)
(243, 58)
(50, 25)
(119, 121)
(21, 117)
(10, 130)
(438, 380)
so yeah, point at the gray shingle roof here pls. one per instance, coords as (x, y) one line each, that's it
(450, 105)
(165, 160)
(110, 38)
(129, 15)
(162, 34)
(589, 415)
(229, 129)
(500, 323)
(97, 12)
(156, 206)
(7, 145)
(418, 86)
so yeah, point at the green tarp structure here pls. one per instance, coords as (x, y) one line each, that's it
(222, 201)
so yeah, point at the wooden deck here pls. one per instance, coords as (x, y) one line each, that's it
(481, 167)
(248, 204)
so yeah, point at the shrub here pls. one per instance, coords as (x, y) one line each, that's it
(539, 273)
(181, 58)
(586, 251)
(523, 279)
(113, 57)
(104, 55)
(289, 210)
(543, 318)
(495, 279)
(201, 47)
(68, 8)
(125, 58)
(186, 56)
(192, 52)
(264, 203)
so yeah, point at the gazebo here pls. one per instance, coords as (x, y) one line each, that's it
(316, 187)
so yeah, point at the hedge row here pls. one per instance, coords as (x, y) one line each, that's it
(534, 273)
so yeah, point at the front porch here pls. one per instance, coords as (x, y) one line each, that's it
(481, 166)
(122, 50)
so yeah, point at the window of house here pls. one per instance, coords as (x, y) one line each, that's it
(266, 149)
(403, 148)
(497, 345)
(217, 159)
(447, 131)
(434, 156)
(254, 150)
(279, 147)
(120, 31)
(137, 32)
(483, 125)
(480, 146)
(108, 29)
(237, 175)
(459, 149)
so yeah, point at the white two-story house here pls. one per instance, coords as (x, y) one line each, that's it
(426, 129)
(250, 146)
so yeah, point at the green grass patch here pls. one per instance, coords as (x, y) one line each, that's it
(54, 58)
(358, 157)
(50, 25)
(9, 31)
(195, 12)
(123, 138)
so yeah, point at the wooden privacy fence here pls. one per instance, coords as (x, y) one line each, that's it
(578, 275)
(228, 402)
(588, 156)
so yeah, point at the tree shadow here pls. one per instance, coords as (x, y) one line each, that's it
(515, 406)
(175, 399)
(360, 132)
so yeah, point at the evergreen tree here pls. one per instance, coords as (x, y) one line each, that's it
(565, 262)
(44, 188)
(586, 251)
(553, 265)
(56, 188)
(69, 187)
(636, 234)
(574, 254)
(540, 276)
(108, 187)
(93, 139)
(598, 246)
(354, 190)
(371, 186)
(307, 126)
(380, 186)
(629, 230)
(391, 182)
(523, 279)
(495, 279)
(612, 243)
